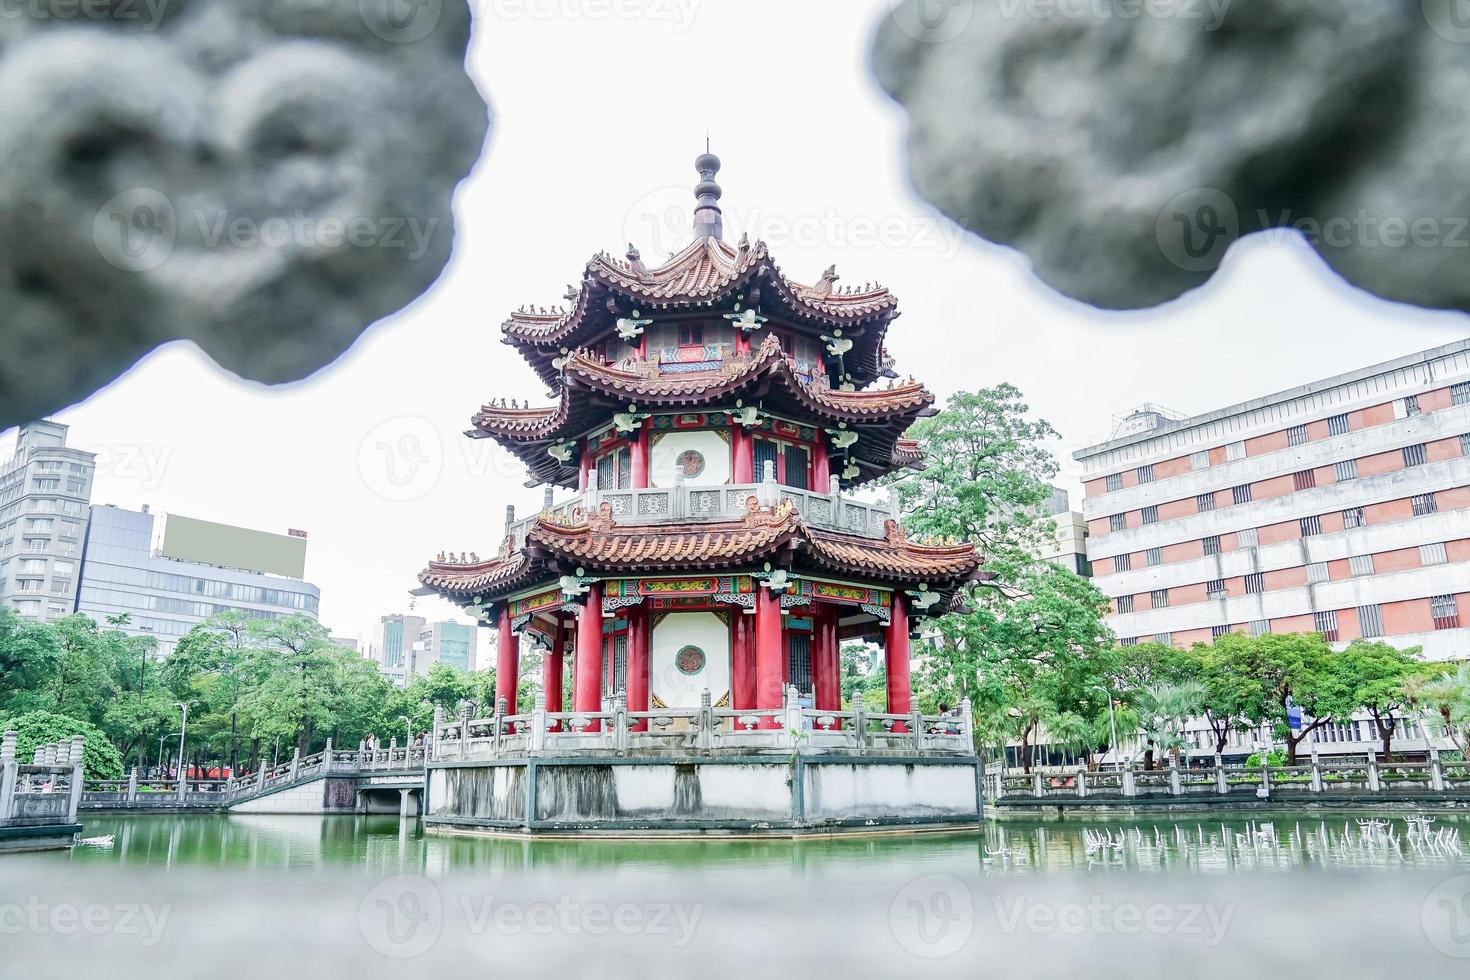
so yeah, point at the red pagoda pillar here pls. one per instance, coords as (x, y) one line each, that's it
(770, 657)
(587, 671)
(507, 662)
(826, 668)
(742, 663)
(742, 448)
(638, 660)
(821, 466)
(900, 691)
(552, 670)
(642, 450)
(584, 467)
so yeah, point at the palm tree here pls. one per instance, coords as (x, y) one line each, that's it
(1070, 730)
(1164, 709)
(1447, 695)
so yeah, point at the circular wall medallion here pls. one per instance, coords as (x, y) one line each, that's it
(690, 660)
(691, 461)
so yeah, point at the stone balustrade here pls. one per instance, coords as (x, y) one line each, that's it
(1317, 780)
(703, 730)
(832, 510)
(45, 792)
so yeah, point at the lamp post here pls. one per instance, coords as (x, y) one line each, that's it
(1112, 727)
(183, 727)
(407, 732)
(161, 740)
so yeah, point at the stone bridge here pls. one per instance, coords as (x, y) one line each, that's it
(329, 782)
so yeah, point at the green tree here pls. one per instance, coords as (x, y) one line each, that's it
(1292, 667)
(1373, 676)
(100, 759)
(1163, 710)
(1444, 692)
(29, 656)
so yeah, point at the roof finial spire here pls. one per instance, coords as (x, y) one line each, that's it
(708, 220)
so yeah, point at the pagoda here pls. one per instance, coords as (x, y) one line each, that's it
(709, 414)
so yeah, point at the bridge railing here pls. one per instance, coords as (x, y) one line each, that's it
(1311, 779)
(703, 729)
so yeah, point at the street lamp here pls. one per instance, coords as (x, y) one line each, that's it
(408, 731)
(161, 740)
(183, 727)
(1112, 726)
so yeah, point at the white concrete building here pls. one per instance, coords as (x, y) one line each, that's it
(44, 492)
(1341, 507)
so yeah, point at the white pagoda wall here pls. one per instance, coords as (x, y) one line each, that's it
(675, 631)
(669, 446)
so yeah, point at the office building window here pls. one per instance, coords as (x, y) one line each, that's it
(1117, 522)
(1125, 604)
(1411, 406)
(1259, 627)
(1146, 473)
(1304, 479)
(1310, 526)
(1337, 425)
(1255, 583)
(1465, 444)
(1153, 556)
(1122, 563)
(1370, 621)
(1241, 494)
(1248, 538)
(1128, 641)
(1159, 598)
(1215, 587)
(1200, 460)
(1346, 470)
(1151, 514)
(1204, 503)
(1416, 455)
(1423, 504)
(1361, 565)
(1235, 451)
(1164, 639)
(1296, 435)
(1460, 393)
(1212, 545)
(1433, 554)
(1326, 624)
(1353, 517)
(1317, 571)
(1113, 482)
(1443, 609)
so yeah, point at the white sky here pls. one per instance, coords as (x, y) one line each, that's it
(597, 123)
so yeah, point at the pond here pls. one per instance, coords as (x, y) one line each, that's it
(1283, 841)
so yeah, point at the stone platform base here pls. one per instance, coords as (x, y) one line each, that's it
(682, 796)
(46, 837)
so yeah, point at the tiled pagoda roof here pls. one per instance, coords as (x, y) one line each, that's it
(706, 274)
(597, 544)
(768, 378)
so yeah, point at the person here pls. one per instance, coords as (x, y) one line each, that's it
(943, 708)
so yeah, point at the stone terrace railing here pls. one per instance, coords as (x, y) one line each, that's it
(831, 510)
(1315, 781)
(704, 730)
(45, 792)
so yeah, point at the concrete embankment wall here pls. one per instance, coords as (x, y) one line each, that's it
(722, 795)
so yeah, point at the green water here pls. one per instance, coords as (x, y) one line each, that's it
(1273, 843)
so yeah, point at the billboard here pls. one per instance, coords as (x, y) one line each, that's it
(190, 539)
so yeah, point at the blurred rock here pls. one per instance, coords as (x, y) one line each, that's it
(262, 177)
(1123, 145)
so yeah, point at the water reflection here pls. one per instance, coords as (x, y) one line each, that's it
(1276, 843)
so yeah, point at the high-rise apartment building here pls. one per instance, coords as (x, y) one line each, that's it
(455, 644)
(391, 646)
(405, 646)
(1340, 507)
(171, 574)
(44, 491)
